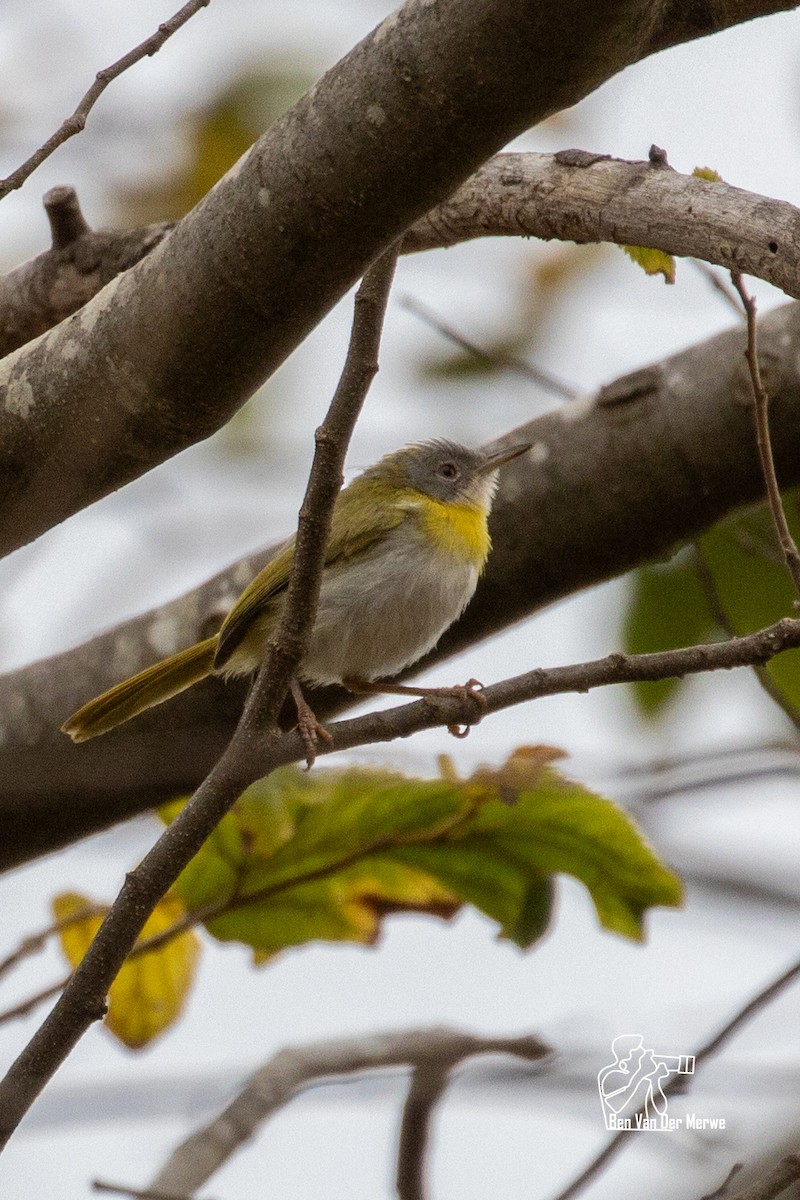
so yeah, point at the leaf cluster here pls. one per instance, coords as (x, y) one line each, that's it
(327, 856)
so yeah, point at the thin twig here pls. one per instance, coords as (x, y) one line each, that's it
(718, 283)
(256, 741)
(680, 1083)
(509, 362)
(76, 122)
(294, 1069)
(120, 1189)
(761, 415)
(785, 1173)
(431, 713)
(288, 644)
(724, 1187)
(35, 942)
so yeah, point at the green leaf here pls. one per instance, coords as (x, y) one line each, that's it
(737, 570)
(652, 262)
(355, 845)
(668, 607)
(752, 583)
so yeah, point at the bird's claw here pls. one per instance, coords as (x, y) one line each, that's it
(309, 728)
(472, 690)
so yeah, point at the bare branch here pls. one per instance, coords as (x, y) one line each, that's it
(289, 642)
(577, 196)
(761, 416)
(37, 295)
(289, 1072)
(510, 362)
(37, 941)
(76, 122)
(664, 453)
(293, 225)
(119, 1189)
(83, 998)
(512, 195)
(427, 1087)
(680, 1083)
(719, 285)
(782, 1176)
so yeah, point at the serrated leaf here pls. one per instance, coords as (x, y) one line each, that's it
(366, 843)
(668, 607)
(554, 827)
(652, 262)
(149, 992)
(708, 173)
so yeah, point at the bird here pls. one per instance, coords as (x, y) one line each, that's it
(408, 542)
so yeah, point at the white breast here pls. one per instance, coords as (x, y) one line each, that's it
(383, 613)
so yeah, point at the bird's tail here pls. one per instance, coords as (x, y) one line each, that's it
(149, 687)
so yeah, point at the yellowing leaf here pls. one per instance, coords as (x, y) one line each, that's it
(150, 990)
(652, 262)
(368, 843)
(708, 173)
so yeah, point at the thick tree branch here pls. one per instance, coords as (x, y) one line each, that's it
(576, 196)
(169, 350)
(573, 196)
(45, 290)
(652, 460)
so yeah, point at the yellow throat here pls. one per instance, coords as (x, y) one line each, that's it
(460, 530)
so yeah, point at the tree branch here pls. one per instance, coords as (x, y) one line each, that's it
(573, 195)
(663, 453)
(679, 1083)
(48, 288)
(84, 997)
(254, 753)
(169, 350)
(576, 196)
(290, 1071)
(763, 440)
(76, 122)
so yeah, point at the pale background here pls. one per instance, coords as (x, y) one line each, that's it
(731, 103)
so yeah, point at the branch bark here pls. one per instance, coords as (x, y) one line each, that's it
(169, 350)
(283, 1077)
(615, 480)
(572, 196)
(576, 196)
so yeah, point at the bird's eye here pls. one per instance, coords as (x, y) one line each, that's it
(448, 470)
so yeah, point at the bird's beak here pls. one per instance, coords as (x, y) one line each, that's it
(493, 461)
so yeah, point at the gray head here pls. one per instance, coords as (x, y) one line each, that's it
(446, 470)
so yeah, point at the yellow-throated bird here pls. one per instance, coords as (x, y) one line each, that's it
(408, 540)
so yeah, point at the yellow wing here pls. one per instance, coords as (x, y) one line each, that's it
(361, 517)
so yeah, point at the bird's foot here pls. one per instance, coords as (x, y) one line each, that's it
(472, 690)
(307, 724)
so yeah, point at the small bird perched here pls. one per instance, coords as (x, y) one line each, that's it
(408, 541)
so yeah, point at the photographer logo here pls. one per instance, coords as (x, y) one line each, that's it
(632, 1091)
